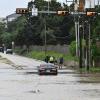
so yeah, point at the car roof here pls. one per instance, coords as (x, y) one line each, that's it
(9, 49)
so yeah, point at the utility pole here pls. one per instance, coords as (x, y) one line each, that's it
(80, 43)
(76, 19)
(78, 7)
(77, 33)
(77, 28)
(77, 37)
(87, 44)
(45, 37)
(81, 32)
(46, 27)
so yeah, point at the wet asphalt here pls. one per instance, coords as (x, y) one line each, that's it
(20, 81)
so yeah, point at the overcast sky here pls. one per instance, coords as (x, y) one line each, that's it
(9, 6)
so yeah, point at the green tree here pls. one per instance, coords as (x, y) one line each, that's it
(2, 31)
(29, 30)
(7, 39)
(73, 48)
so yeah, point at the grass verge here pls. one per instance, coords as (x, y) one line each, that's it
(41, 55)
(91, 70)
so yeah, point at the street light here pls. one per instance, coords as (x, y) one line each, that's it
(13, 44)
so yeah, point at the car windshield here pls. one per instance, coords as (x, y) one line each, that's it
(47, 65)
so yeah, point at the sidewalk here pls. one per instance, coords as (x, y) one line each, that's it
(22, 61)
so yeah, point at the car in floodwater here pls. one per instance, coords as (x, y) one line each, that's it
(9, 51)
(47, 68)
(1, 49)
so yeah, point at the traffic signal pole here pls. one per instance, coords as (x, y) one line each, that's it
(45, 37)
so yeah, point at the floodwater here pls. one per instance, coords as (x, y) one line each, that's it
(26, 84)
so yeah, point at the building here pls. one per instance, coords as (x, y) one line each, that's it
(2, 20)
(12, 17)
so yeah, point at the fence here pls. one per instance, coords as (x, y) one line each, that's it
(57, 48)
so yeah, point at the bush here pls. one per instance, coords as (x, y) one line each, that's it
(73, 48)
(21, 51)
(95, 51)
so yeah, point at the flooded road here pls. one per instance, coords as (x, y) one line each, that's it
(26, 84)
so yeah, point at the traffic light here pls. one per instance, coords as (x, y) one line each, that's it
(91, 13)
(63, 13)
(22, 11)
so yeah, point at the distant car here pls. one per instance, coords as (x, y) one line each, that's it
(47, 68)
(1, 49)
(9, 51)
